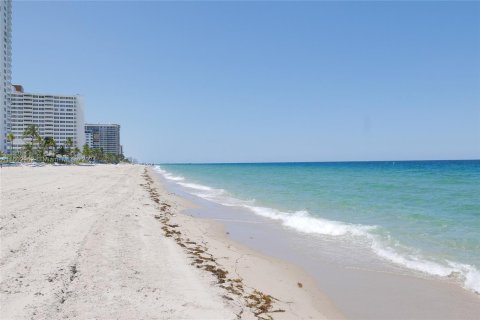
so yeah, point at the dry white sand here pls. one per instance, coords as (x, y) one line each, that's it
(108, 242)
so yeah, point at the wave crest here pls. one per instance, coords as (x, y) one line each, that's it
(303, 221)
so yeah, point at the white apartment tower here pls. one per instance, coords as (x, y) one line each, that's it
(57, 116)
(5, 69)
(105, 137)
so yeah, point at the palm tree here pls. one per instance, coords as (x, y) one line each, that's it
(50, 144)
(41, 147)
(98, 154)
(28, 149)
(76, 151)
(10, 138)
(87, 152)
(30, 133)
(62, 150)
(69, 145)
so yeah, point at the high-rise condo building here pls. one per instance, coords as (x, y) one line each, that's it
(5, 69)
(57, 116)
(104, 136)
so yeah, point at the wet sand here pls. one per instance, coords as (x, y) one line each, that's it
(361, 286)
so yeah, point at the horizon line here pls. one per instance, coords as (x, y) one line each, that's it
(285, 162)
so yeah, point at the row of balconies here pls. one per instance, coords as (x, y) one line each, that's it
(39, 101)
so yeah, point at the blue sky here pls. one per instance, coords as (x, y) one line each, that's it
(263, 81)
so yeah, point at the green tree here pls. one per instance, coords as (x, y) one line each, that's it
(62, 151)
(10, 138)
(110, 158)
(98, 154)
(69, 145)
(50, 146)
(40, 151)
(86, 151)
(76, 151)
(31, 134)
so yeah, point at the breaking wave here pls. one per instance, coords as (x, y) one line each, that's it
(303, 221)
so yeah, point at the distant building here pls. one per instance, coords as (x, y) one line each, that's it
(57, 116)
(104, 136)
(5, 69)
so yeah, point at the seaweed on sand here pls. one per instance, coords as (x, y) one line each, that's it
(260, 304)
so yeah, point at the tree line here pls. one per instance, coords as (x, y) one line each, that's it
(45, 149)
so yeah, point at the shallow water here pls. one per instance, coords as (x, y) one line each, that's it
(421, 215)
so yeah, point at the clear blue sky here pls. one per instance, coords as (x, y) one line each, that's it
(264, 81)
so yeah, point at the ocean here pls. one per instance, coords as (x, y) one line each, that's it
(422, 215)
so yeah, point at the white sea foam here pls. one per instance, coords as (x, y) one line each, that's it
(195, 186)
(205, 192)
(168, 175)
(410, 261)
(303, 221)
(471, 275)
(464, 272)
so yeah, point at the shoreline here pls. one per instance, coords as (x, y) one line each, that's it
(110, 242)
(292, 289)
(383, 292)
(120, 242)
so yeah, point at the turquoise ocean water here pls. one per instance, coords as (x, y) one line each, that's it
(423, 215)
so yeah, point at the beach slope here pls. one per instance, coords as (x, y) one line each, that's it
(100, 242)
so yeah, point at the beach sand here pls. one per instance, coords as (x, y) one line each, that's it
(109, 242)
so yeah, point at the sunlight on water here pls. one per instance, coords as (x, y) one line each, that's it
(424, 215)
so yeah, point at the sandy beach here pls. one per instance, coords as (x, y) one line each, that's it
(109, 242)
